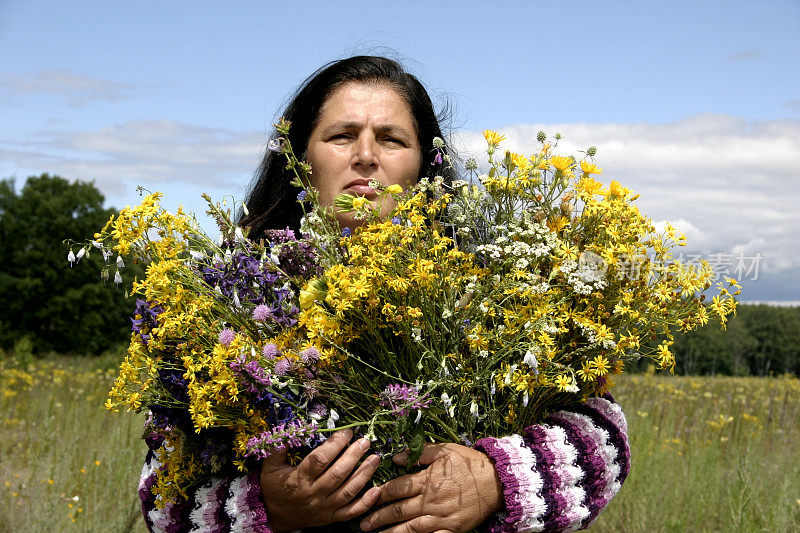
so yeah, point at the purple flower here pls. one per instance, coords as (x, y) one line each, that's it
(261, 313)
(144, 319)
(282, 367)
(256, 377)
(292, 434)
(270, 351)
(274, 145)
(243, 277)
(296, 257)
(309, 355)
(396, 220)
(346, 232)
(226, 337)
(400, 399)
(301, 196)
(318, 411)
(437, 159)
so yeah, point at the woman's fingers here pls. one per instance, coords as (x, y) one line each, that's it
(350, 488)
(316, 462)
(338, 472)
(357, 507)
(402, 487)
(273, 462)
(399, 512)
(421, 524)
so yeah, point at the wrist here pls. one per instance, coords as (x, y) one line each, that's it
(491, 487)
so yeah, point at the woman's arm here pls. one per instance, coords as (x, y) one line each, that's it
(224, 504)
(555, 476)
(559, 475)
(324, 488)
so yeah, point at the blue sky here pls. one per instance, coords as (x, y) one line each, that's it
(694, 104)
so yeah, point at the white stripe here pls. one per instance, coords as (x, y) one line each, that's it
(522, 465)
(236, 505)
(606, 450)
(204, 506)
(611, 411)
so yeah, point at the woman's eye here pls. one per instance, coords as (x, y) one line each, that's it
(392, 140)
(339, 137)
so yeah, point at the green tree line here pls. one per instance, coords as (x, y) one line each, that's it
(759, 341)
(46, 305)
(52, 307)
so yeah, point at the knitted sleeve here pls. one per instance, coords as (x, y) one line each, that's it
(222, 505)
(559, 475)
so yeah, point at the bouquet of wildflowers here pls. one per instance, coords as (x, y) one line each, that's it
(203, 311)
(474, 310)
(481, 306)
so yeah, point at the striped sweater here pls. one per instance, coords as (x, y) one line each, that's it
(555, 476)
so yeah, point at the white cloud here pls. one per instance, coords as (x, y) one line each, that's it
(729, 183)
(690, 231)
(143, 152)
(793, 105)
(746, 55)
(74, 89)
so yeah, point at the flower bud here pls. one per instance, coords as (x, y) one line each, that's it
(591, 151)
(541, 136)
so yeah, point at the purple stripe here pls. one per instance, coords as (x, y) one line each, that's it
(215, 515)
(508, 480)
(588, 460)
(535, 438)
(616, 437)
(146, 494)
(260, 521)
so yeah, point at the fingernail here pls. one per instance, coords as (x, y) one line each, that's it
(365, 525)
(364, 444)
(374, 492)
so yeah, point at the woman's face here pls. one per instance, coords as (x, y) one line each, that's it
(365, 132)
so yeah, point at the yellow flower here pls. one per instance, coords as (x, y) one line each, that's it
(492, 137)
(600, 365)
(558, 224)
(359, 202)
(590, 168)
(563, 382)
(590, 186)
(562, 163)
(616, 190)
(394, 189)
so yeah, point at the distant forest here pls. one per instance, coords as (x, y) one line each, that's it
(761, 340)
(48, 306)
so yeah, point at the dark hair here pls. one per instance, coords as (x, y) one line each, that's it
(271, 199)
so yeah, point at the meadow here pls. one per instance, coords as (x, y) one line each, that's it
(709, 453)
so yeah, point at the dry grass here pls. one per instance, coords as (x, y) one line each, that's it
(709, 454)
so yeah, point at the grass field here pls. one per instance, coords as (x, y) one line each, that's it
(709, 454)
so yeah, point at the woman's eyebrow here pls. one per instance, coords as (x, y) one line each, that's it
(342, 125)
(350, 125)
(393, 129)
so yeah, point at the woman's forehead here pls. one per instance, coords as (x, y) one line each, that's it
(356, 102)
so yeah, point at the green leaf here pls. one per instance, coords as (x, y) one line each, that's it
(416, 446)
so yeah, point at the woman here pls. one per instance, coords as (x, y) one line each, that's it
(357, 120)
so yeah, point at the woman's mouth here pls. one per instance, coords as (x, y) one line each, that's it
(361, 187)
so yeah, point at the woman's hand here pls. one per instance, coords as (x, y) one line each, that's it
(457, 492)
(322, 489)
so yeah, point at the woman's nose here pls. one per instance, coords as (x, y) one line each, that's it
(365, 153)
